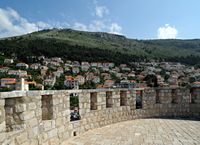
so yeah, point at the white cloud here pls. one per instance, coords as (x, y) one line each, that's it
(115, 28)
(12, 24)
(100, 11)
(99, 26)
(93, 26)
(167, 32)
(80, 26)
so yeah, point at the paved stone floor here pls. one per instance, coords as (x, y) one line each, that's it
(143, 132)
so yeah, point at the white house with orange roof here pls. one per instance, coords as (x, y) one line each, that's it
(71, 83)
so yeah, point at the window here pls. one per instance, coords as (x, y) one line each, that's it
(74, 107)
(193, 96)
(93, 99)
(109, 101)
(139, 100)
(174, 97)
(47, 107)
(123, 98)
(157, 96)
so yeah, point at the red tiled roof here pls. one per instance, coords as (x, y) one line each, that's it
(8, 79)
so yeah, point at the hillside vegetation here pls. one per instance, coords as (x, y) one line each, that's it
(97, 46)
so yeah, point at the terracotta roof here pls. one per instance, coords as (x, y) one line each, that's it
(197, 83)
(8, 79)
(69, 78)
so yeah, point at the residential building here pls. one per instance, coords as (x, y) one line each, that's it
(4, 69)
(20, 73)
(22, 65)
(71, 83)
(96, 79)
(6, 81)
(75, 70)
(8, 61)
(109, 83)
(35, 66)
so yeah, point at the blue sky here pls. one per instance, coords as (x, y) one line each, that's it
(138, 19)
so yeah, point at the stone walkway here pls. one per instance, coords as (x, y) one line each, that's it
(142, 132)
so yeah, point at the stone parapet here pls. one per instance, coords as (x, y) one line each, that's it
(43, 117)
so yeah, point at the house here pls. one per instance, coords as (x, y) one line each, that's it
(15, 84)
(89, 76)
(75, 63)
(35, 66)
(8, 61)
(105, 69)
(4, 69)
(126, 69)
(108, 65)
(67, 68)
(43, 70)
(50, 81)
(22, 65)
(20, 73)
(123, 65)
(6, 81)
(54, 63)
(68, 62)
(46, 61)
(71, 83)
(99, 65)
(127, 84)
(85, 66)
(57, 59)
(196, 85)
(75, 70)
(61, 70)
(109, 83)
(132, 74)
(23, 85)
(93, 64)
(57, 74)
(106, 76)
(96, 79)
(41, 57)
(80, 79)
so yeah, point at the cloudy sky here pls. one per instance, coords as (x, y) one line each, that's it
(139, 19)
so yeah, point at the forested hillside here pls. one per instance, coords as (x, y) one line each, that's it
(96, 46)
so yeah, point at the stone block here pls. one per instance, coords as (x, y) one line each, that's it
(21, 138)
(27, 115)
(20, 108)
(2, 102)
(52, 133)
(32, 106)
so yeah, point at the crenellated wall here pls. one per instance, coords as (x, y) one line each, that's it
(43, 117)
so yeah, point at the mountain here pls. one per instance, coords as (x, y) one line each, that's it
(98, 46)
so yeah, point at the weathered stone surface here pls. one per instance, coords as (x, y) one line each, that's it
(27, 115)
(20, 108)
(25, 112)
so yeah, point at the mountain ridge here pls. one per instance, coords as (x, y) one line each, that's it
(99, 46)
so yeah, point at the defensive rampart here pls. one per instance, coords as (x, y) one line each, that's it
(43, 117)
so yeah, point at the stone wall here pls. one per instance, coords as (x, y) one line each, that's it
(43, 117)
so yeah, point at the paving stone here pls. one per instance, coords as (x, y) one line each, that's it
(142, 132)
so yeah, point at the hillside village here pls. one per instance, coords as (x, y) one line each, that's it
(55, 73)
